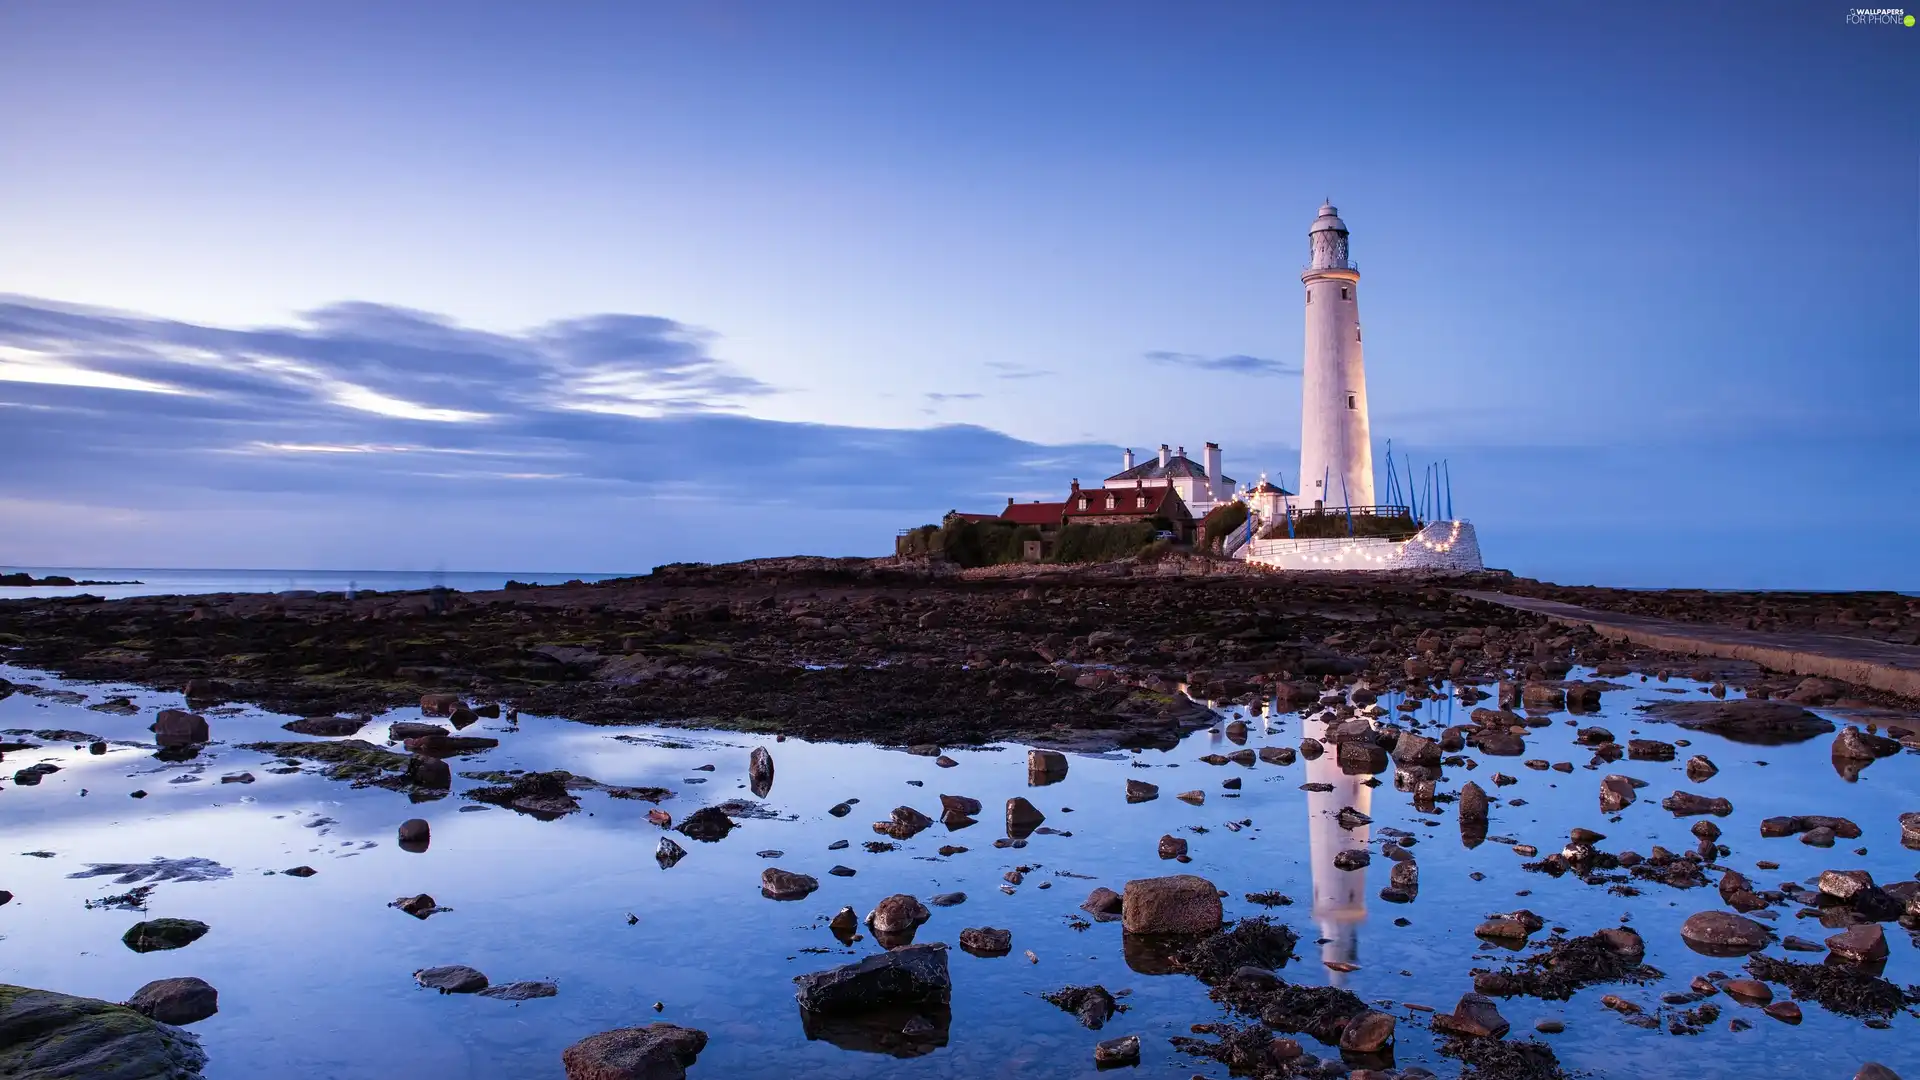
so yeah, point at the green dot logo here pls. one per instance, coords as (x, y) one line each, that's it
(1908, 20)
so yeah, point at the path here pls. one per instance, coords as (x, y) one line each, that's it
(1861, 661)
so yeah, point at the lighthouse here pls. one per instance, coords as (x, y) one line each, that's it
(1336, 455)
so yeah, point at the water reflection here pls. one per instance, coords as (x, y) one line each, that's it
(1339, 896)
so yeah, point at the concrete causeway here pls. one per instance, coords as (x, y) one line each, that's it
(1860, 661)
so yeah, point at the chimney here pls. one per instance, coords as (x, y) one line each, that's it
(1212, 461)
(1076, 483)
(1126, 460)
(1164, 456)
(1009, 500)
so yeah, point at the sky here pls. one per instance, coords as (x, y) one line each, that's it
(592, 287)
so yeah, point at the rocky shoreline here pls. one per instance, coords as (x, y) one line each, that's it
(870, 650)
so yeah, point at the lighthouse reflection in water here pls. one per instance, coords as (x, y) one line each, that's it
(1339, 896)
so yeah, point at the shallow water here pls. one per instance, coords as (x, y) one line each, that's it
(316, 973)
(175, 582)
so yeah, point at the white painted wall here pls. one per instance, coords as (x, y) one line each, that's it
(1335, 440)
(1443, 547)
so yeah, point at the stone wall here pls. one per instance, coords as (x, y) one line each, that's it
(1442, 547)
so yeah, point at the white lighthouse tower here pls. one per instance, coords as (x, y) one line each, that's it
(1336, 454)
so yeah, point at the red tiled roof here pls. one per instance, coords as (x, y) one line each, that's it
(1033, 513)
(1128, 502)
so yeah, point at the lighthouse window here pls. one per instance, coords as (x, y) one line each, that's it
(1309, 296)
(1344, 295)
(1356, 333)
(1350, 403)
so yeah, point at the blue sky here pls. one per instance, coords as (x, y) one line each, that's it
(501, 286)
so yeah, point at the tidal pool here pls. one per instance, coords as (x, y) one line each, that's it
(315, 973)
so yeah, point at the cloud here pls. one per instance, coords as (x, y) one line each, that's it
(941, 399)
(1235, 364)
(1004, 370)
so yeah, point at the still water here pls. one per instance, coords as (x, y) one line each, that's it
(315, 974)
(163, 582)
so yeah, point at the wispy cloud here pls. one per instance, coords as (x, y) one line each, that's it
(941, 399)
(1003, 370)
(1234, 364)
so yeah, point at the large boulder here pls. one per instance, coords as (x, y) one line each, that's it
(1852, 744)
(907, 976)
(778, 884)
(327, 726)
(760, 772)
(177, 727)
(897, 914)
(159, 934)
(184, 1000)
(654, 1052)
(1178, 904)
(1722, 933)
(44, 1036)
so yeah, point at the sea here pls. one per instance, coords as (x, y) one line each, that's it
(150, 581)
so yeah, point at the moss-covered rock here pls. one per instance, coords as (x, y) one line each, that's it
(348, 759)
(49, 1036)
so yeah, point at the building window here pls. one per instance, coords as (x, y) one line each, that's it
(1083, 504)
(1309, 296)
(1344, 293)
(1350, 402)
(1140, 503)
(1109, 502)
(1356, 332)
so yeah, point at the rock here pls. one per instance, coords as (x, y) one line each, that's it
(1549, 1026)
(778, 884)
(1351, 859)
(1503, 930)
(1746, 720)
(1046, 763)
(1583, 697)
(947, 899)
(986, 941)
(1593, 736)
(905, 823)
(1910, 829)
(1277, 755)
(657, 816)
(402, 730)
(907, 976)
(521, 991)
(760, 771)
(960, 804)
(1180, 904)
(1092, 1004)
(175, 727)
(1616, 793)
(1473, 807)
(1103, 903)
(414, 831)
(429, 772)
(49, 1036)
(1873, 1070)
(1117, 1053)
(451, 979)
(707, 824)
(845, 923)
(1541, 697)
(1311, 748)
(1022, 817)
(1852, 744)
(1748, 991)
(1360, 758)
(1172, 847)
(1701, 769)
(185, 1000)
(1476, 1015)
(1844, 885)
(329, 726)
(1721, 933)
(1685, 803)
(668, 853)
(1141, 791)
(158, 934)
(1862, 944)
(1413, 749)
(445, 746)
(1368, 1033)
(655, 1052)
(237, 778)
(440, 704)
(419, 906)
(898, 914)
(1784, 1011)
(1193, 798)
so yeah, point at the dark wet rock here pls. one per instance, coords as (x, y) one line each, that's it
(1852, 744)
(1873, 1070)
(1256, 942)
(1141, 791)
(176, 727)
(49, 1036)
(904, 824)
(986, 941)
(1745, 720)
(300, 872)
(1721, 933)
(1784, 1011)
(1194, 798)
(1361, 758)
(1565, 965)
(1593, 736)
(1368, 1033)
(1179, 904)
(1311, 748)
(1172, 847)
(429, 772)
(354, 760)
(521, 991)
(328, 726)
(1686, 803)
(179, 1001)
(947, 899)
(440, 704)
(1844, 885)
(1092, 1004)
(1583, 697)
(897, 914)
(420, 906)
(1103, 904)
(1862, 944)
(778, 884)
(707, 824)
(914, 975)
(760, 772)
(1349, 818)
(1351, 859)
(445, 746)
(960, 804)
(1503, 929)
(1475, 1016)
(451, 979)
(1277, 755)
(415, 831)
(1616, 793)
(1649, 750)
(1046, 763)
(838, 870)
(1701, 769)
(655, 1052)
(401, 730)
(667, 853)
(155, 935)
(1117, 1053)
(1542, 697)
(845, 924)
(1472, 809)
(541, 795)
(1022, 817)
